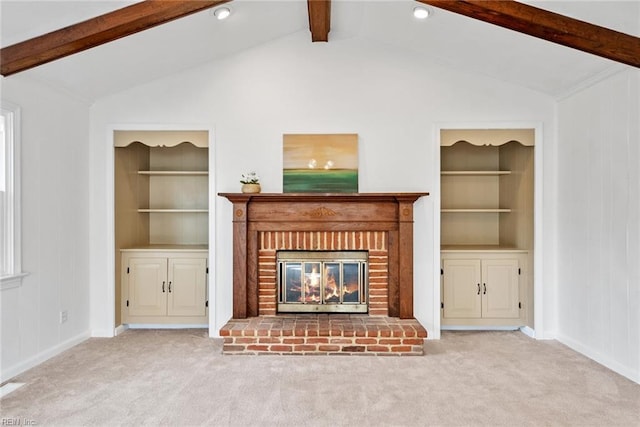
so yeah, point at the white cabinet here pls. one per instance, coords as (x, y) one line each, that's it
(164, 286)
(482, 289)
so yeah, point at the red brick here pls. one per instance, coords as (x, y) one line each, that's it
(305, 347)
(256, 347)
(378, 348)
(328, 348)
(392, 341)
(245, 340)
(281, 348)
(268, 340)
(401, 349)
(341, 341)
(367, 341)
(293, 341)
(318, 340)
(413, 341)
(353, 348)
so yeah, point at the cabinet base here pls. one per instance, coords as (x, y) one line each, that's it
(484, 323)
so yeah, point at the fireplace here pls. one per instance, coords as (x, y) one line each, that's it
(381, 223)
(322, 281)
(368, 236)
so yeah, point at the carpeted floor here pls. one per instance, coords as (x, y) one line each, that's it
(180, 377)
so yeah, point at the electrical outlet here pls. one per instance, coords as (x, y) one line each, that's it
(64, 316)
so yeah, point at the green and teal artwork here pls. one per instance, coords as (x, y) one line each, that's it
(320, 163)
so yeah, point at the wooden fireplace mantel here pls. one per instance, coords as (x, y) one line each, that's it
(390, 212)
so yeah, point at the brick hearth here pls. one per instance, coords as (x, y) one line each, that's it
(324, 334)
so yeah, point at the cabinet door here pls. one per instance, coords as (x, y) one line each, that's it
(187, 287)
(461, 283)
(500, 294)
(147, 286)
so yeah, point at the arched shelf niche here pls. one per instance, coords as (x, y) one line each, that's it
(487, 137)
(161, 138)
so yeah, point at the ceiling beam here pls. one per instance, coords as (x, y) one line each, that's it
(96, 31)
(556, 28)
(319, 19)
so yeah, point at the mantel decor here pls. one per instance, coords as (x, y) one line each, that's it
(389, 213)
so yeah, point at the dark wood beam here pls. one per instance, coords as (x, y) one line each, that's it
(319, 19)
(96, 31)
(549, 26)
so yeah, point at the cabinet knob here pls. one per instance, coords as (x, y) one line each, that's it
(169, 286)
(484, 292)
(478, 288)
(163, 286)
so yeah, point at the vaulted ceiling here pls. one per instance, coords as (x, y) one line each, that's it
(446, 38)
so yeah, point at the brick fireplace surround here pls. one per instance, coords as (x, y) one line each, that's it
(381, 224)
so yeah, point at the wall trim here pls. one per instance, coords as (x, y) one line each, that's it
(478, 328)
(163, 326)
(598, 357)
(12, 371)
(528, 331)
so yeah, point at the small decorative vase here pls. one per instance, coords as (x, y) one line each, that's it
(251, 188)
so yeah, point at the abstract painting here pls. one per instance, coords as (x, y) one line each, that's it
(320, 163)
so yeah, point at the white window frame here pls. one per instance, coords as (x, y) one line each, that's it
(12, 245)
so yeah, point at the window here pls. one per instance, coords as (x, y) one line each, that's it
(10, 265)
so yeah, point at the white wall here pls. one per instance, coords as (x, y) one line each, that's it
(55, 228)
(599, 223)
(393, 100)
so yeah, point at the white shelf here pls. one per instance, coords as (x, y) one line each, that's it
(497, 210)
(173, 210)
(186, 173)
(475, 173)
(481, 248)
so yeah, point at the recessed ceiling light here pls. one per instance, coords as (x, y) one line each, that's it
(421, 12)
(222, 13)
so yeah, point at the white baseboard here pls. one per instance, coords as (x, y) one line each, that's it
(604, 360)
(528, 331)
(165, 326)
(120, 329)
(12, 371)
(102, 333)
(478, 328)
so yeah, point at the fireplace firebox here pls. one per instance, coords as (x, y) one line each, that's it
(322, 281)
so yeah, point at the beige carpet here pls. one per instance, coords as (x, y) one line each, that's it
(170, 377)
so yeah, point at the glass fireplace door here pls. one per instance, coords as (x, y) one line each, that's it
(322, 281)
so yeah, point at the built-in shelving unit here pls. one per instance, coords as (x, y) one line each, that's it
(486, 227)
(162, 202)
